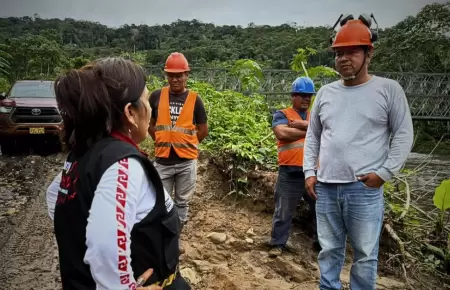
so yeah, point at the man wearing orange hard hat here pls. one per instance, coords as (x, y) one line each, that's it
(178, 124)
(351, 123)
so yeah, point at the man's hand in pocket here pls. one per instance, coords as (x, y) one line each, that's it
(371, 180)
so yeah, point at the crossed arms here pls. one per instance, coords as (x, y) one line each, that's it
(292, 131)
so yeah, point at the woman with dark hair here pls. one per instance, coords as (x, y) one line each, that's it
(113, 219)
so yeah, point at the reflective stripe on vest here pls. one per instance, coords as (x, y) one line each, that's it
(182, 136)
(291, 153)
(175, 129)
(290, 146)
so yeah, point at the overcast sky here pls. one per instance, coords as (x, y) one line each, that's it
(239, 12)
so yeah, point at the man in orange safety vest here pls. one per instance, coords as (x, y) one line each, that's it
(178, 124)
(289, 126)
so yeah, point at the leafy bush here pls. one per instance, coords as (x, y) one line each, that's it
(239, 125)
(240, 135)
(4, 85)
(441, 200)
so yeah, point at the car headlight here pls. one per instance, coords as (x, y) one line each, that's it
(5, 110)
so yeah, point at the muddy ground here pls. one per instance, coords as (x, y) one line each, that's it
(28, 255)
(226, 243)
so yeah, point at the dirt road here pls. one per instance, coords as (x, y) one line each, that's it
(28, 254)
(225, 245)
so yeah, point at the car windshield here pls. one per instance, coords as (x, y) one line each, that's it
(32, 90)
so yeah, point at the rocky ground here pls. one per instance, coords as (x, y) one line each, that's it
(226, 244)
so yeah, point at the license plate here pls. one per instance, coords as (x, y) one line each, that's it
(37, 131)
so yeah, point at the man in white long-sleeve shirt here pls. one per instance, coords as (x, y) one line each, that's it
(350, 127)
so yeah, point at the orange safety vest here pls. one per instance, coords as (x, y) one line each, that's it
(183, 135)
(291, 153)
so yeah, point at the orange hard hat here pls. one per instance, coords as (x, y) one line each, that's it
(353, 33)
(176, 63)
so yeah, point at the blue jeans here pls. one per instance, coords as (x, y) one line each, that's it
(289, 191)
(355, 210)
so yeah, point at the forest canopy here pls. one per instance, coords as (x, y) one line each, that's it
(33, 47)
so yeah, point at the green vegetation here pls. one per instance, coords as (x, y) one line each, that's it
(4, 63)
(240, 138)
(241, 141)
(421, 235)
(240, 135)
(41, 48)
(439, 246)
(441, 200)
(36, 48)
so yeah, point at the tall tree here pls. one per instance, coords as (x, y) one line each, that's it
(417, 44)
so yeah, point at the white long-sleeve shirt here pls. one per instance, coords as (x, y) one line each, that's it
(107, 236)
(350, 127)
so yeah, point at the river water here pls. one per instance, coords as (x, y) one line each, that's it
(432, 170)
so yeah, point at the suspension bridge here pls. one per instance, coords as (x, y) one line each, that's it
(428, 94)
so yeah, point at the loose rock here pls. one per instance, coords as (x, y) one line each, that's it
(217, 238)
(190, 275)
(10, 212)
(203, 266)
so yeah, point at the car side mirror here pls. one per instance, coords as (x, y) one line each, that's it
(2, 96)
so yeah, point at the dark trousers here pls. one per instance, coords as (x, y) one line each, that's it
(289, 191)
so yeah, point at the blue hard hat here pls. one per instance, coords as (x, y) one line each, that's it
(303, 85)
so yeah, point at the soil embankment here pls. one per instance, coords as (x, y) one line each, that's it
(226, 243)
